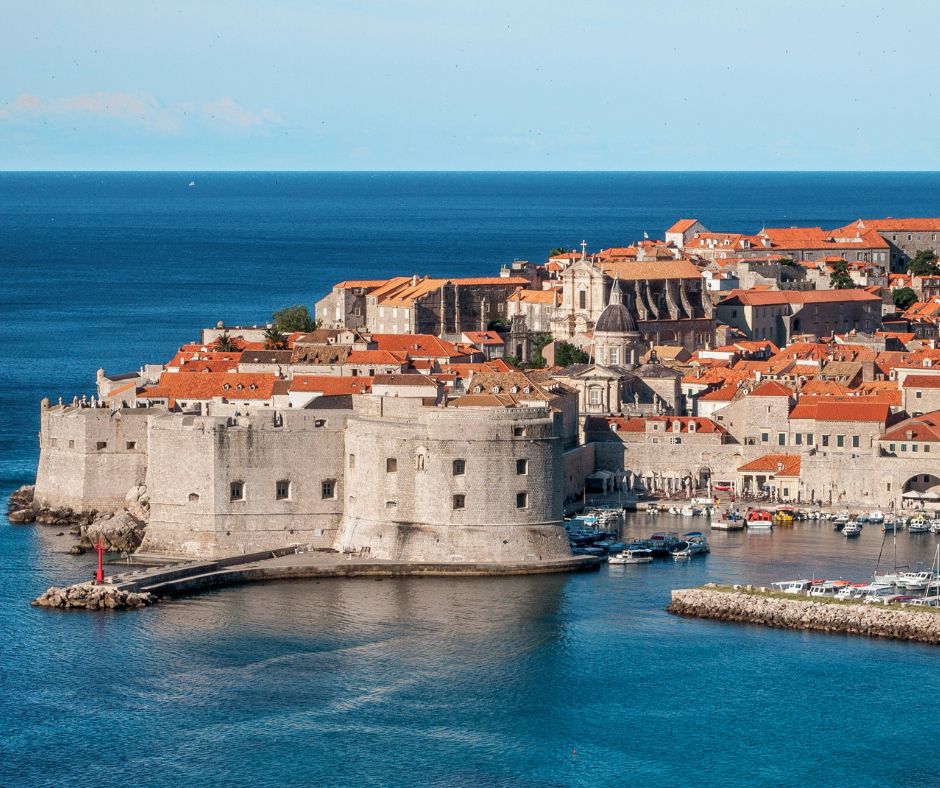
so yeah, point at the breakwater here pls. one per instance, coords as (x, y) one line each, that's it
(753, 606)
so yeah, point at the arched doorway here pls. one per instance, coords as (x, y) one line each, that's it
(921, 490)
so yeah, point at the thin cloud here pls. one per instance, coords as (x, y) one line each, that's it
(140, 109)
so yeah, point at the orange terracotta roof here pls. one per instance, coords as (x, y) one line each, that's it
(482, 338)
(417, 345)
(755, 297)
(231, 385)
(659, 269)
(775, 464)
(922, 382)
(332, 384)
(352, 283)
(724, 394)
(682, 225)
(132, 386)
(552, 296)
(926, 225)
(919, 428)
(841, 409)
(771, 388)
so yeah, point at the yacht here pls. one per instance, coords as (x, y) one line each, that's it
(839, 520)
(876, 516)
(852, 529)
(918, 526)
(826, 589)
(759, 520)
(693, 543)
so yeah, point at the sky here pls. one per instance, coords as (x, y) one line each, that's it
(475, 85)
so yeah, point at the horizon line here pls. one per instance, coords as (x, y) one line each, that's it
(472, 171)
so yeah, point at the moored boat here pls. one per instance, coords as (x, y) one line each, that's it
(852, 529)
(784, 515)
(758, 520)
(729, 521)
(632, 555)
(692, 544)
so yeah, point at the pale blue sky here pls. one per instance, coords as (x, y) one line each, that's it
(402, 85)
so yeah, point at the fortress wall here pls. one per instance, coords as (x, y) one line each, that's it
(410, 513)
(90, 458)
(194, 460)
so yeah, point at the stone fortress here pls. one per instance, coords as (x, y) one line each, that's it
(416, 447)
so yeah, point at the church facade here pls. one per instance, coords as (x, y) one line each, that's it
(666, 297)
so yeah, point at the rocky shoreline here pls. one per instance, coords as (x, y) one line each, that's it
(88, 596)
(122, 531)
(750, 605)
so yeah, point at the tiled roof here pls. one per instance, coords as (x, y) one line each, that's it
(552, 296)
(682, 225)
(482, 338)
(775, 464)
(919, 428)
(770, 388)
(769, 297)
(332, 384)
(922, 382)
(926, 225)
(417, 345)
(841, 409)
(231, 385)
(724, 394)
(396, 357)
(659, 269)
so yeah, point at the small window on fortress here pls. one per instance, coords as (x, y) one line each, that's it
(328, 489)
(237, 491)
(522, 467)
(460, 501)
(71, 444)
(522, 500)
(352, 460)
(319, 422)
(131, 445)
(391, 504)
(282, 490)
(53, 442)
(391, 465)
(193, 497)
(460, 467)
(518, 432)
(101, 445)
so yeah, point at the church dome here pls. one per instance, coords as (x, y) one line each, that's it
(615, 319)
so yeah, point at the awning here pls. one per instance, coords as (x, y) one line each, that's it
(912, 494)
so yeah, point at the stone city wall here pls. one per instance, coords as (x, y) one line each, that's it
(89, 458)
(288, 468)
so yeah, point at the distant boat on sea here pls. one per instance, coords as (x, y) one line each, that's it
(191, 184)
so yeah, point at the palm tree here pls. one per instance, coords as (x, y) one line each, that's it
(275, 339)
(225, 343)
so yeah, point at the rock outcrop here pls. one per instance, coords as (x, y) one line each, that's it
(88, 596)
(22, 509)
(122, 532)
(752, 606)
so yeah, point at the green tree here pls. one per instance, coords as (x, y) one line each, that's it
(274, 339)
(499, 324)
(557, 250)
(567, 354)
(225, 343)
(924, 264)
(294, 318)
(840, 279)
(538, 360)
(904, 298)
(513, 361)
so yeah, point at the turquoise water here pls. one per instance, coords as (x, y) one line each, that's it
(568, 680)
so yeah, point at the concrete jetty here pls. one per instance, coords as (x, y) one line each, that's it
(755, 606)
(297, 563)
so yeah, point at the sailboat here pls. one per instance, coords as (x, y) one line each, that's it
(892, 577)
(931, 597)
(191, 184)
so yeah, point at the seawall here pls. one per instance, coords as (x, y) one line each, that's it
(856, 618)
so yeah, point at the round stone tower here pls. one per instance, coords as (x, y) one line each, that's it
(454, 484)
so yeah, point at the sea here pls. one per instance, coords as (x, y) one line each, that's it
(527, 681)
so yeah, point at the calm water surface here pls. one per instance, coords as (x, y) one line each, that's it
(569, 680)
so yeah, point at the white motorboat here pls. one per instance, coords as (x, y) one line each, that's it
(729, 521)
(876, 516)
(639, 555)
(915, 581)
(852, 529)
(935, 526)
(792, 586)
(918, 526)
(687, 511)
(759, 520)
(824, 589)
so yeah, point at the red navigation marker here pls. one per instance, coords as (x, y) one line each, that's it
(99, 572)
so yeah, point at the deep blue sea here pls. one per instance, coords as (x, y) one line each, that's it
(543, 681)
